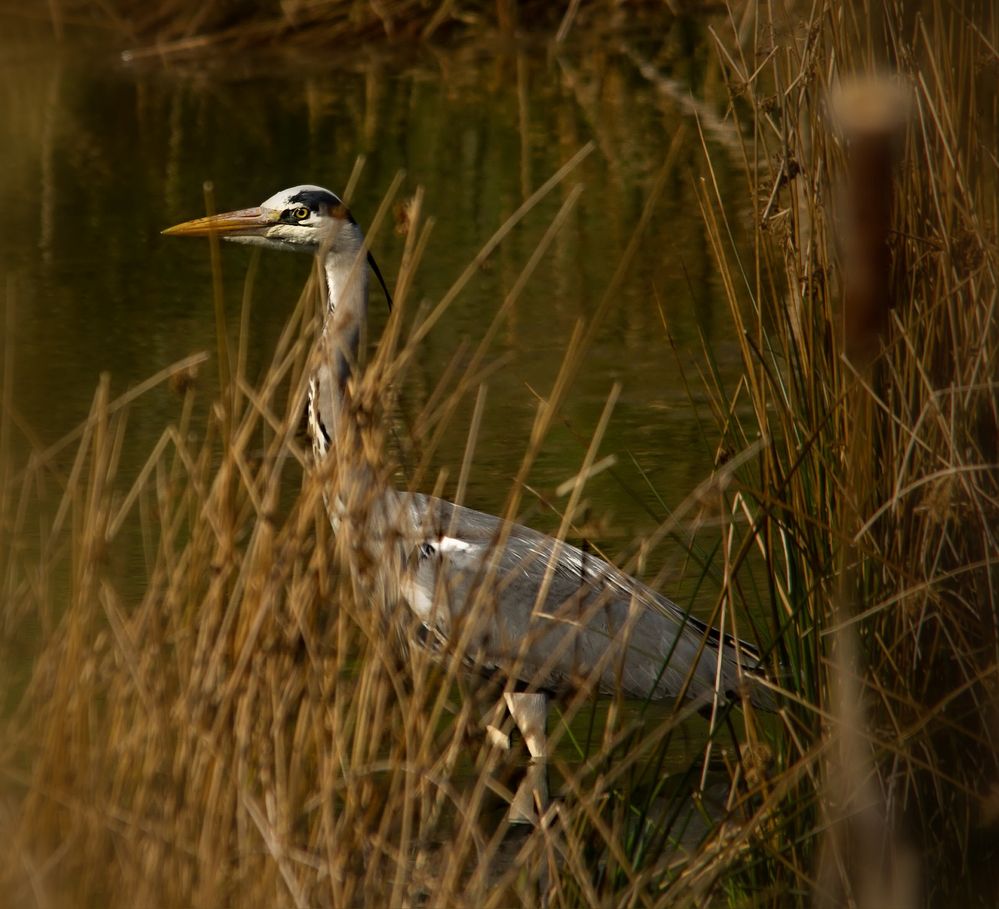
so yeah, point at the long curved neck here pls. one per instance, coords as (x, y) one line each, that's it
(331, 424)
(363, 504)
(346, 317)
(338, 345)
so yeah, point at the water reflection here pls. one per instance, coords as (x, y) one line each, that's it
(101, 156)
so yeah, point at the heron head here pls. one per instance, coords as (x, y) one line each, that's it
(303, 218)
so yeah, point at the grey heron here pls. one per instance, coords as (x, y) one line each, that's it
(538, 611)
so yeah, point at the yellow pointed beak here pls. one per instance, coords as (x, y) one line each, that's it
(246, 221)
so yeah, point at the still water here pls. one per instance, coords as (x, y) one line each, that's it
(100, 155)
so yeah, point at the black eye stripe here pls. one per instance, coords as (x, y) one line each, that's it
(314, 199)
(321, 201)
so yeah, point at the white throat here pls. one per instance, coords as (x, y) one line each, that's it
(346, 314)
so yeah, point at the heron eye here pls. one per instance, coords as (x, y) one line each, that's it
(300, 213)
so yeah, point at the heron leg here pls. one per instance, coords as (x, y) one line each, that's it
(530, 713)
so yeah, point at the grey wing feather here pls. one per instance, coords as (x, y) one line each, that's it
(554, 616)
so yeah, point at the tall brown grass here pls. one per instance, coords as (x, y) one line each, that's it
(246, 730)
(875, 500)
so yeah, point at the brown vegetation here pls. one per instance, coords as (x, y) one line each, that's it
(247, 731)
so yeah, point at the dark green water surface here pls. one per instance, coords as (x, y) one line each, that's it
(99, 155)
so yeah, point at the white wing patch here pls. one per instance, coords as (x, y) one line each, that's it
(446, 545)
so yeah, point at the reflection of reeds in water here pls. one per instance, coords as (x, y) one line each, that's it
(249, 732)
(179, 27)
